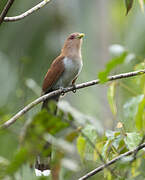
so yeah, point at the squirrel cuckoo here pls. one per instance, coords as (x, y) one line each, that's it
(62, 73)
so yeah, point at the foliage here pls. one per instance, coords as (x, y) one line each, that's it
(129, 4)
(110, 65)
(90, 144)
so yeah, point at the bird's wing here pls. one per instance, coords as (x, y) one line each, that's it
(53, 74)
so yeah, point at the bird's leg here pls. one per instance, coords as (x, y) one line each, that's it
(73, 85)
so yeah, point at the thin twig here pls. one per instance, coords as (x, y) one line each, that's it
(27, 13)
(100, 168)
(5, 10)
(65, 90)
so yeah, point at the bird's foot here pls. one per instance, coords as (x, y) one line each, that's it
(62, 91)
(74, 88)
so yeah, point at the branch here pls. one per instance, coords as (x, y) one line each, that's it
(27, 13)
(100, 168)
(5, 10)
(65, 90)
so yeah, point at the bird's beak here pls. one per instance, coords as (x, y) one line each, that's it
(81, 35)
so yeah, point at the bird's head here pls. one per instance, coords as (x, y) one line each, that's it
(72, 45)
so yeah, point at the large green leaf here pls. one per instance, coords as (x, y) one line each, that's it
(86, 142)
(132, 140)
(141, 3)
(81, 146)
(47, 122)
(113, 144)
(140, 80)
(41, 124)
(140, 116)
(112, 134)
(91, 134)
(4, 163)
(111, 97)
(19, 159)
(106, 148)
(130, 108)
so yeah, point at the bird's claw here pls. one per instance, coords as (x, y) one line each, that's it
(74, 88)
(62, 91)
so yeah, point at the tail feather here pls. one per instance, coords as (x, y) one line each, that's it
(42, 164)
(42, 173)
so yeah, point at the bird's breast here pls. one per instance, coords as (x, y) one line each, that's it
(72, 69)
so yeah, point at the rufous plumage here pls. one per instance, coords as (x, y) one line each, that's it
(65, 69)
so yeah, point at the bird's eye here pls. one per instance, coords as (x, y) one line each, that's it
(72, 37)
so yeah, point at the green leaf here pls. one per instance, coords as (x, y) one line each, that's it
(118, 142)
(91, 134)
(110, 65)
(140, 66)
(111, 99)
(72, 135)
(108, 175)
(132, 140)
(105, 148)
(111, 134)
(86, 144)
(47, 122)
(140, 80)
(113, 144)
(141, 3)
(135, 168)
(19, 159)
(130, 108)
(41, 124)
(140, 116)
(128, 4)
(3, 166)
(81, 145)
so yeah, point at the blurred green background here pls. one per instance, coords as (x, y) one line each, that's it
(28, 46)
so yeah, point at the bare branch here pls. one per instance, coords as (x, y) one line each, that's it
(65, 90)
(100, 168)
(27, 13)
(5, 10)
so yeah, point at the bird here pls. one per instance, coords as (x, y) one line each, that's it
(63, 72)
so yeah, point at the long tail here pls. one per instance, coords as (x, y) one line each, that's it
(42, 167)
(42, 164)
